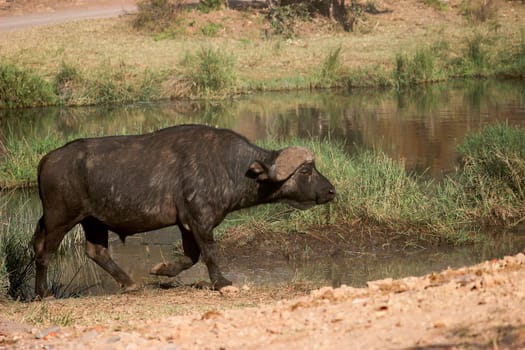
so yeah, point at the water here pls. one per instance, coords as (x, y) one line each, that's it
(421, 128)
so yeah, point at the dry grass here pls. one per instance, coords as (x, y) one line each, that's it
(95, 45)
(128, 310)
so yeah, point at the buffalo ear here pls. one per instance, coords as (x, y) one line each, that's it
(289, 160)
(261, 170)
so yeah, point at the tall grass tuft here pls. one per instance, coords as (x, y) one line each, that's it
(212, 71)
(16, 267)
(21, 88)
(413, 70)
(18, 168)
(331, 70)
(492, 173)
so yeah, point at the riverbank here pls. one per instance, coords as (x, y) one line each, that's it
(111, 62)
(467, 308)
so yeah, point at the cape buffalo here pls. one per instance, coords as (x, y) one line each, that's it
(191, 176)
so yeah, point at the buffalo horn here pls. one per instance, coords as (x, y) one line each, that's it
(289, 159)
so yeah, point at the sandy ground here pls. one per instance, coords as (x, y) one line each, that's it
(476, 307)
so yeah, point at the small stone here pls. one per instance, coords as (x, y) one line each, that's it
(48, 332)
(229, 290)
(113, 339)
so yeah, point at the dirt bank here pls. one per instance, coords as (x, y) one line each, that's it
(478, 307)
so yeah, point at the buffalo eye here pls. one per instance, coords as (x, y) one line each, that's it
(306, 170)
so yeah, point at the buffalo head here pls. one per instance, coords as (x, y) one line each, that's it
(292, 178)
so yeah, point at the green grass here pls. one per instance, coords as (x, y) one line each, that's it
(211, 71)
(211, 29)
(18, 168)
(21, 87)
(374, 189)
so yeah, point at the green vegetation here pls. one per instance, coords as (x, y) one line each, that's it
(211, 71)
(207, 6)
(414, 70)
(437, 4)
(211, 29)
(284, 18)
(21, 87)
(331, 71)
(488, 189)
(479, 11)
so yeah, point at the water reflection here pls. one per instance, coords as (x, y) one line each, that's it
(421, 127)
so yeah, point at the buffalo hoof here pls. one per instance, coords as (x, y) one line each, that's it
(130, 289)
(172, 269)
(219, 285)
(229, 290)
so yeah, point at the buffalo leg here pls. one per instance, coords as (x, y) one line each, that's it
(97, 250)
(208, 250)
(45, 243)
(191, 252)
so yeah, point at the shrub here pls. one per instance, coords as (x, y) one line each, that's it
(66, 82)
(478, 11)
(283, 18)
(493, 171)
(156, 15)
(437, 4)
(207, 6)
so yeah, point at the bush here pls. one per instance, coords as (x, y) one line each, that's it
(207, 6)
(66, 82)
(16, 263)
(156, 15)
(478, 11)
(211, 29)
(283, 18)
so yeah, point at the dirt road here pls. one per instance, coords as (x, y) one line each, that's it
(16, 15)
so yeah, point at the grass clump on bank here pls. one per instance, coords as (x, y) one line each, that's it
(18, 168)
(212, 72)
(488, 189)
(493, 173)
(21, 87)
